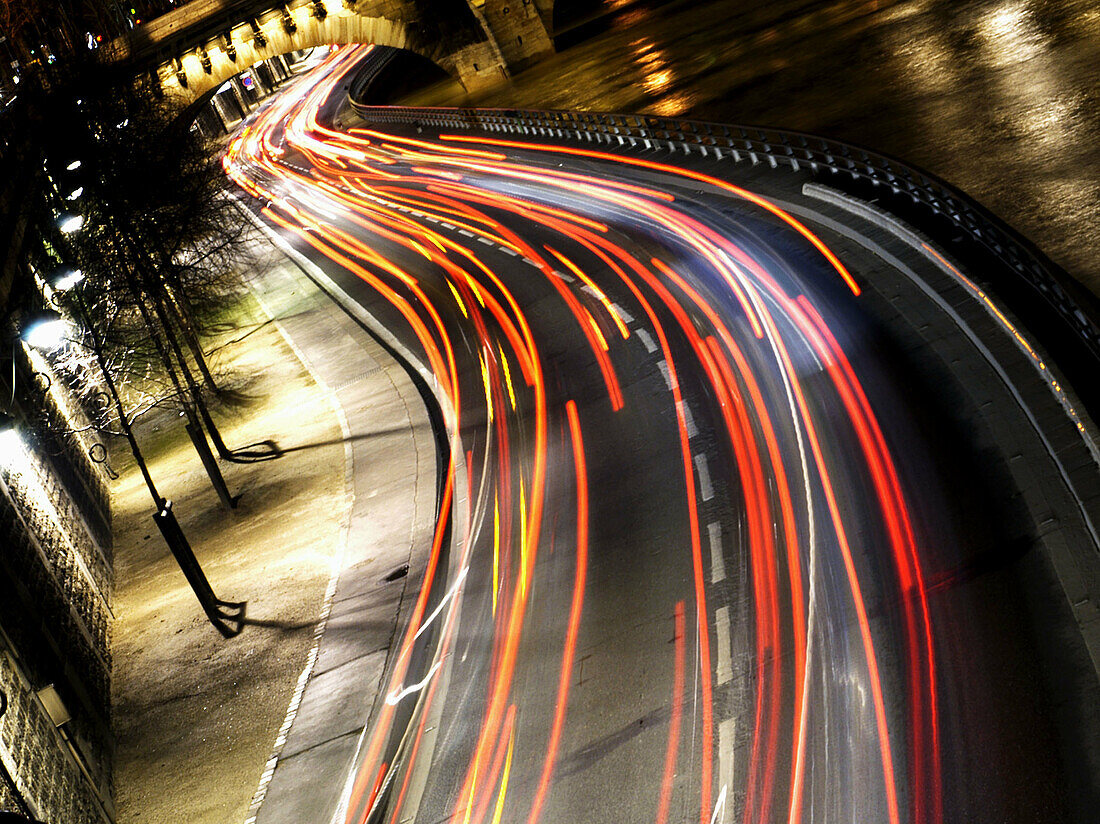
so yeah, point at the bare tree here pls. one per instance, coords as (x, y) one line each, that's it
(158, 243)
(129, 233)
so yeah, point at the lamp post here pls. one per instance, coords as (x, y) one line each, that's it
(48, 331)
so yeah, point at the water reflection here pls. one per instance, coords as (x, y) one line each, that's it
(1001, 98)
(1010, 35)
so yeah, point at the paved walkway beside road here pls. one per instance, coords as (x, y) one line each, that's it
(203, 722)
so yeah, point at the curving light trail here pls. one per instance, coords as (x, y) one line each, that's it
(515, 269)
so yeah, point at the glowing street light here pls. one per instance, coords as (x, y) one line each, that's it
(71, 223)
(64, 281)
(47, 331)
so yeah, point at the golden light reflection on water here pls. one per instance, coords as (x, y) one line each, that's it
(672, 106)
(1042, 110)
(995, 95)
(632, 17)
(657, 73)
(1033, 95)
(1010, 35)
(927, 59)
(1049, 121)
(995, 83)
(658, 81)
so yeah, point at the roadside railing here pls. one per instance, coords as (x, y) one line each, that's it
(825, 158)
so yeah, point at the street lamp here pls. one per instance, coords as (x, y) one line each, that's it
(47, 330)
(70, 223)
(64, 281)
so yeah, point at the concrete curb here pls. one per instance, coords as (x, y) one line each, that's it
(442, 424)
(337, 565)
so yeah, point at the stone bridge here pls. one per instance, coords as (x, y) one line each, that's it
(198, 46)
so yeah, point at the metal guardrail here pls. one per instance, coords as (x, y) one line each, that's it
(778, 148)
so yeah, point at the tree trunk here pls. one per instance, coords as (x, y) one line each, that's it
(217, 480)
(154, 288)
(187, 328)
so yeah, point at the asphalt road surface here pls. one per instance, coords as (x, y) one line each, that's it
(711, 546)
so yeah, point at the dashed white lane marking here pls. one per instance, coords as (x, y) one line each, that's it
(665, 374)
(706, 490)
(647, 340)
(717, 564)
(530, 262)
(447, 225)
(486, 241)
(465, 232)
(726, 731)
(624, 315)
(689, 421)
(722, 627)
(509, 251)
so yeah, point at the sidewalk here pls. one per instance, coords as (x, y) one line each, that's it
(317, 530)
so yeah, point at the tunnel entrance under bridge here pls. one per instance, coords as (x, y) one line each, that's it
(386, 75)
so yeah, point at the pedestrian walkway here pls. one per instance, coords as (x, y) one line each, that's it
(202, 722)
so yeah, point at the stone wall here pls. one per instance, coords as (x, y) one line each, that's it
(42, 773)
(518, 30)
(81, 487)
(55, 589)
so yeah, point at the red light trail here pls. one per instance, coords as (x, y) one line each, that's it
(469, 247)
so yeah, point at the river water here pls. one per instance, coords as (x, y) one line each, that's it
(999, 97)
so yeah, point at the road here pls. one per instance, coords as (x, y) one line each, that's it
(699, 518)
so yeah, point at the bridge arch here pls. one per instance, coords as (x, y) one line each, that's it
(197, 72)
(201, 44)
